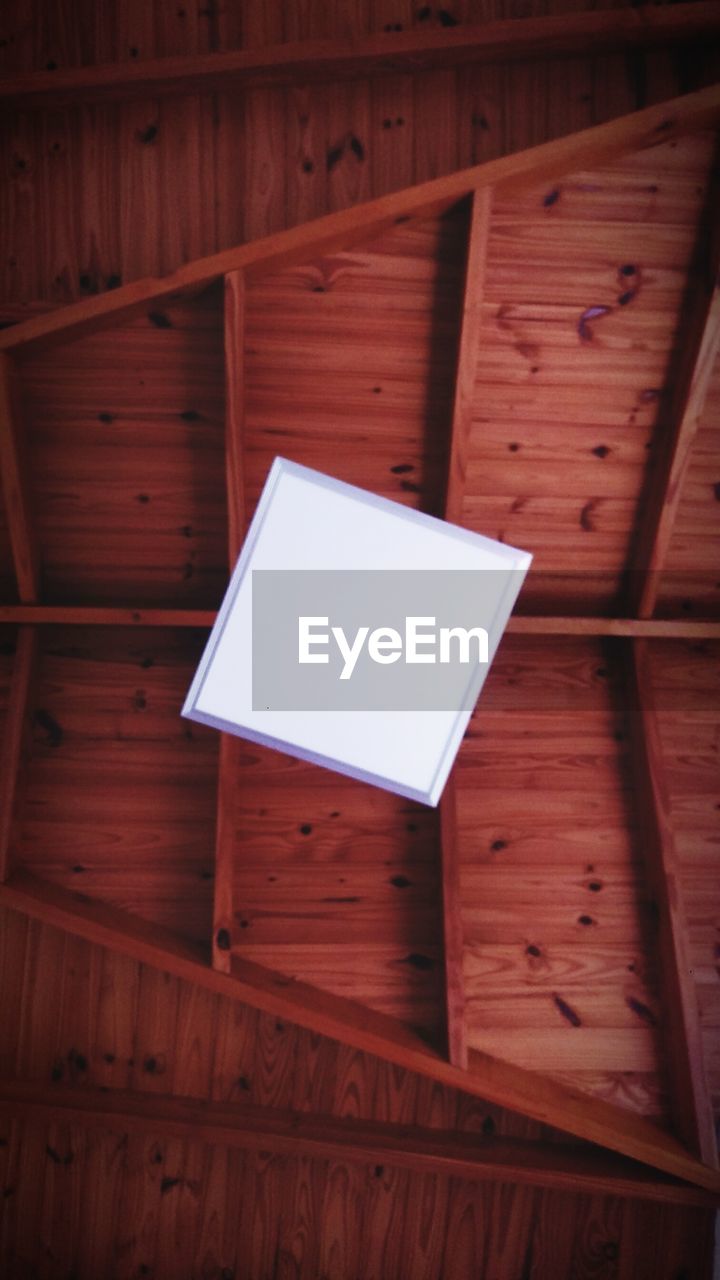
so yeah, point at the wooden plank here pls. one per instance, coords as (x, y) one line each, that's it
(14, 485)
(509, 1086)
(234, 331)
(636, 628)
(367, 339)
(380, 54)
(155, 534)
(700, 346)
(589, 148)
(471, 321)
(223, 930)
(478, 232)
(101, 616)
(230, 746)
(690, 1096)
(15, 740)
(519, 624)
(449, 1153)
(452, 930)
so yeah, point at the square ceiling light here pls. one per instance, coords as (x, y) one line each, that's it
(339, 638)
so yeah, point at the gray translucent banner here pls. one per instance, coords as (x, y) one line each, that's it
(374, 640)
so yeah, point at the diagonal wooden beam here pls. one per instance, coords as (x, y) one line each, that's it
(56, 615)
(379, 54)
(447, 1153)
(690, 1096)
(471, 316)
(700, 347)
(15, 488)
(516, 1088)
(230, 746)
(14, 746)
(549, 161)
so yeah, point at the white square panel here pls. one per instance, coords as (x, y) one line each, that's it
(308, 521)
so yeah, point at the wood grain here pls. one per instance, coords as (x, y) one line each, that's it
(494, 1080)
(198, 619)
(335, 59)
(230, 749)
(438, 1151)
(690, 1097)
(15, 485)
(548, 161)
(15, 741)
(123, 805)
(477, 240)
(580, 995)
(698, 356)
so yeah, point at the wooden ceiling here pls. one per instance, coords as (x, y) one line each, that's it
(528, 347)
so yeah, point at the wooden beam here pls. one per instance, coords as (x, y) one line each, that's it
(476, 257)
(518, 625)
(14, 484)
(234, 339)
(464, 393)
(583, 150)
(447, 1153)
(223, 923)
(503, 1083)
(453, 937)
(690, 1096)
(59, 615)
(579, 34)
(230, 746)
(15, 740)
(700, 330)
(650, 628)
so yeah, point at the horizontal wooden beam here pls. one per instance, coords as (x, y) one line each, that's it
(15, 486)
(629, 628)
(503, 1083)
(430, 1151)
(519, 625)
(689, 1093)
(583, 150)
(419, 49)
(14, 739)
(59, 615)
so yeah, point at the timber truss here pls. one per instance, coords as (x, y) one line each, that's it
(639, 1158)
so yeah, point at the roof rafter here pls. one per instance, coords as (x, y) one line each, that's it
(690, 386)
(14, 743)
(230, 746)
(586, 149)
(690, 1096)
(494, 1080)
(476, 258)
(378, 54)
(510, 1086)
(433, 1151)
(518, 625)
(15, 486)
